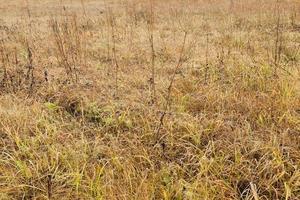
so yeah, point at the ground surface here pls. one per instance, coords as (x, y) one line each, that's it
(174, 99)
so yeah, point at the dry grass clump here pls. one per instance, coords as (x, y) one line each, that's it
(132, 99)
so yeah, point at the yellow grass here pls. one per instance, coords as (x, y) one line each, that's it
(149, 99)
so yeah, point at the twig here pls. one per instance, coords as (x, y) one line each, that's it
(168, 99)
(206, 58)
(30, 70)
(278, 40)
(112, 24)
(151, 40)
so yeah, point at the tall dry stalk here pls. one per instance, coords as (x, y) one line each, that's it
(170, 87)
(108, 33)
(61, 47)
(112, 27)
(19, 72)
(151, 41)
(4, 64)
(69, 42)
(30, 69)
(206, 58)
(278, 39)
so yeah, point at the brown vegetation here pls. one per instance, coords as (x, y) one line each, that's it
(149, 99)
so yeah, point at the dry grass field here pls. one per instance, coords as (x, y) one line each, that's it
(150, 99)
